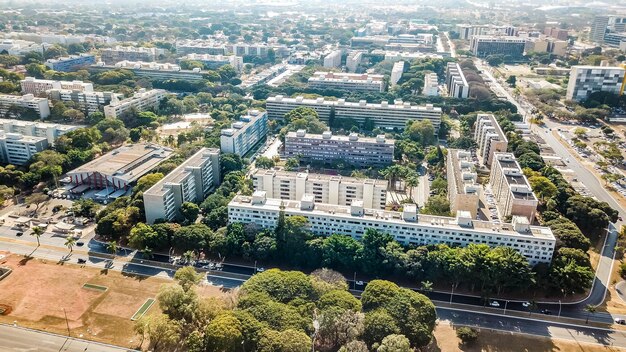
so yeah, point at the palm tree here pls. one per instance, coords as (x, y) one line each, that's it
(147, 253)
(70, 242)
(112, 247)
(411, 182)
(426, 286)
(188, 256)
(37, 232)
(590, 309)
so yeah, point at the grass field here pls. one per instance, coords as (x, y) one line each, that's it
(143, 309)
(95, 287)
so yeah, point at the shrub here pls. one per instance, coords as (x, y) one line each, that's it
(467, 334)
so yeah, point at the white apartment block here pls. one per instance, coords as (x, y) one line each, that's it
(199, 46)
(17, 149)
(431, 85)
(191, 181)
(395, 56)
(347, 81)
(20, 47)
(384, 115)
(463, 189)
(216, 61)
(511, 190)
(396, 73)
(142, 100)
(49, 131)
(455, 81)
(489, 137)
(584, 80)
(333, 59)
(130, 53)
(89, 102)
(28, 101)
(467, 31)
(244, 134)
(40, 87)
(536, 243)
(352, 149)
(329, 189)
(153, 70)
(354, 60)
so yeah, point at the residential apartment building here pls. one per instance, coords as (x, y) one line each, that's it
(615, 39)
(455, 81)
(490, 138)
(20, 47)
(467, 31)
(354, 60)
(512, 192)
(40, 87)
(191, 181)
(347, 81)
(70, 63)
(244, 134)
(333, 59)
(383, 115)
(216, 61)
(396, 73)
(9, 102)
(49, 131)
(17, 149)
(536, 243)
(153, 70)
(584, 80)
(557, 33)
(483, 46)
(598, 29)
(406, 56)
(129, 53)
(352, 149)
(142, 100)
(88, 102)
(431, 85)
(330, 189)
(199, 46)
(463, 189)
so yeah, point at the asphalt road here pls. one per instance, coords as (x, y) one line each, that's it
(15, 339)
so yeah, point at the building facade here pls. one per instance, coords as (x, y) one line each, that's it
(216, 61)
(88, 102)
(483, 46)
(512, 192)
(598, 29)
(431, 85)
(354, 60)
(244, 134)
(584, 80)
(142, 100)
(17, 149)
(407, 227)
(153, 70)
(333, 59)
(330, 189)
(130, 53)
(70, 63)
(490, 138)
(191, 181)
(40, 87)
(9, 104)
(396, 73)
(347, 81)
(463, 189)
(455, 81)
(49, 131)
(352, 149)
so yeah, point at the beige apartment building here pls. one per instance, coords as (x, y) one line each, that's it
(463, 190)
(489, 137)
(511, 190)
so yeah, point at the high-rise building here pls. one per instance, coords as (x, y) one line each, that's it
(71, 63)
(191, 181)
(483, 46)
(142, 100)
(244, 134)
(352, 149)
(455, 81)
(467, 31)
(431, 85)
(347, 81)
(333, 59)
(584, 80)
(10, 104)
(511, 190)
(396, 73)
(49, 131)
(383, 115)
(598, 29)
(331, 189)
(463, 189)
(614, 39)
(490, 138)
(354, 60)
(40, 87)
(536, 243)
(17, 149)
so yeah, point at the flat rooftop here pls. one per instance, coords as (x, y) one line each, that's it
(319, 177)
(341, 138)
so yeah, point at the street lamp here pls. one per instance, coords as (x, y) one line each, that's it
(505, 304)
(559, 309)
(452, 294)
(354, 282)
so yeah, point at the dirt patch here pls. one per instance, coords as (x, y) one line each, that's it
(119, 304)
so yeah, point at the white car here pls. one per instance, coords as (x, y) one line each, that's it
(494, 304)
(526, 304)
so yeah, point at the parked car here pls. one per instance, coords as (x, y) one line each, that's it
(81, 261)
(525, 304)
(620, 321)
(494, 304)
(260, 270)
(19, 234)
(546, 312)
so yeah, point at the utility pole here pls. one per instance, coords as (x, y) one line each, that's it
(67, 323)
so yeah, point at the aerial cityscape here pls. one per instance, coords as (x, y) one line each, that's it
(294, 176)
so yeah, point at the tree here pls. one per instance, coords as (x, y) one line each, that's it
(147, 181)
(112, 247)
(580, 132)
(292, 164)
(37, 199)
(354, 346)
(590, 309)
(437, 205)
(141, 236)
(412, 181)
(37, 232)
(264, 162)
(378, 324)
(223, 334)
(162, 332)
(420, 131)
(289, 340)
(542, 187)
(191, 237)
(512, 80)
(466, 334)
(70, 242)
(395, 343)
(282, 286)
(230, 162)
(189, 212)
(371, 254)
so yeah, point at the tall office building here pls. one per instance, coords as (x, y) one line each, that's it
(483, 46)
(244, 134)
(584, 80)
(511, 190)
(536, 243)
(352, 149)
(455, 81)
(490, 138)
(142, 100)
(9, 104)
(191, 181)
(331, 189)
(463, 189)
(598, 29)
